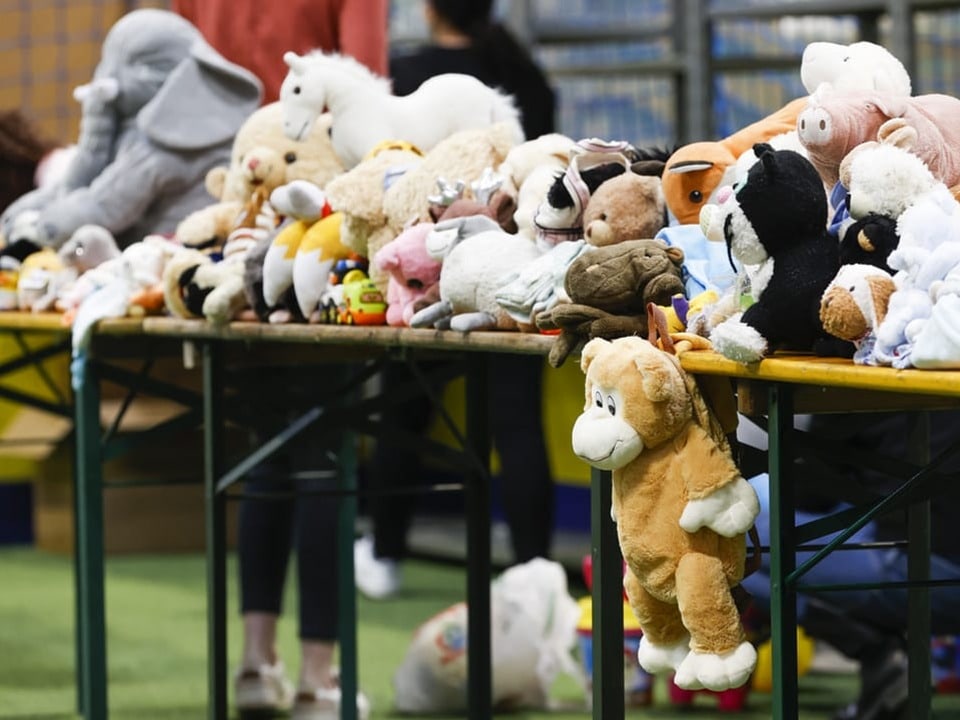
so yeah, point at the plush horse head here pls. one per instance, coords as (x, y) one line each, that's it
(314, 82)
(365, 112)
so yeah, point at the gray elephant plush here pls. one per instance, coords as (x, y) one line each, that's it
(161, 110)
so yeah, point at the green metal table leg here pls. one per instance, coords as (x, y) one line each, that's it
(479, 663)
(78, 623)
(783, 596)
(215, 528)
(607, 601)
(918, 569)
(90, 563)
(346, 583)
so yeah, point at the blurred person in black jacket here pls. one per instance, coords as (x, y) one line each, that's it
(465, 38)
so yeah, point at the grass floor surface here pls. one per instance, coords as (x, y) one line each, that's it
(157, 643)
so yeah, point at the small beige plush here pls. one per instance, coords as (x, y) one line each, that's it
(681, 506)
(464, 155)
(262, 159)
(392, 189)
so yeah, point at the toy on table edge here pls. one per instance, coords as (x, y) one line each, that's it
(775, 219)
(681, 506)
(609, 288)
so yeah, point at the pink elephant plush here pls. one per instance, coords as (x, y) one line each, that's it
(835, 123)
(412, 272)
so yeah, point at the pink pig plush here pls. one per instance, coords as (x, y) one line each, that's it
(835, 123)
(412, 272)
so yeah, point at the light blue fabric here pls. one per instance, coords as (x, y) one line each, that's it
(706, 264)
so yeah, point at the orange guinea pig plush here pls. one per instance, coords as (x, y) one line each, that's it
(695, 171)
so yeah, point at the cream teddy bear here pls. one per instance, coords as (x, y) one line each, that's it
(262, 159)
(386, 193)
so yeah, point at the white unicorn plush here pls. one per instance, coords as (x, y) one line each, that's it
(365, 112)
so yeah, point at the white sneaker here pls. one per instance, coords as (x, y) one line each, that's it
(376, 578)
(263, 689)
(324, 704)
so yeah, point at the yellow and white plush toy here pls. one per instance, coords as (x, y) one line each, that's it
(262, 159)
(681, 506)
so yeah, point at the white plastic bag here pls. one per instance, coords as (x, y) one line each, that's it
(533, 634)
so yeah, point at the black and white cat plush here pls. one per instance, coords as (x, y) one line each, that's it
(774, 222)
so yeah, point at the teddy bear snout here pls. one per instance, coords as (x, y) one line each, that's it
(599, 233)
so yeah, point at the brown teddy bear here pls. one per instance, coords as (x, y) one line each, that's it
(262, 159)
(681, 506)
(626, 207)
(609, 288)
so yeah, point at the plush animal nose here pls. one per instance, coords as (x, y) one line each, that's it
(253, 163)
(814, 126)
(723, 193)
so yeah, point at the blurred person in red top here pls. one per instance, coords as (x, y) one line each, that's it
(300, 516)
(256, 36)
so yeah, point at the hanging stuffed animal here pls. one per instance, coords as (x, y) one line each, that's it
(681, 506)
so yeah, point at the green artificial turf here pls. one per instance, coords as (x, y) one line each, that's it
(157, 647)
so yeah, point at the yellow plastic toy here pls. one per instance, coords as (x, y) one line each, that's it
(763, 675)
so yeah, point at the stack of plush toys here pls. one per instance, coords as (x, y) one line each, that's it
(830, 226)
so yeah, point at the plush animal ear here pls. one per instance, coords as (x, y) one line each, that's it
(648, 168)
(655, 370)
(896, 132)
(764, 153)
(675, 253)
(688, 166)
(890, 105)
(295, 62)
(504, 206)
(881, 288)
(203, 102)
(590, 351)
(386, 258)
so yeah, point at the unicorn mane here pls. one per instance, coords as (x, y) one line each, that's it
(333, 61)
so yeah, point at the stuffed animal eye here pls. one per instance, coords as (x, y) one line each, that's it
(696, 196)
(415, 284)
(296, 90)
(598, 399)
(611, 405)
(290, 158)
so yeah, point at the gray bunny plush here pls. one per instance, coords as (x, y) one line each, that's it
(161, 110)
